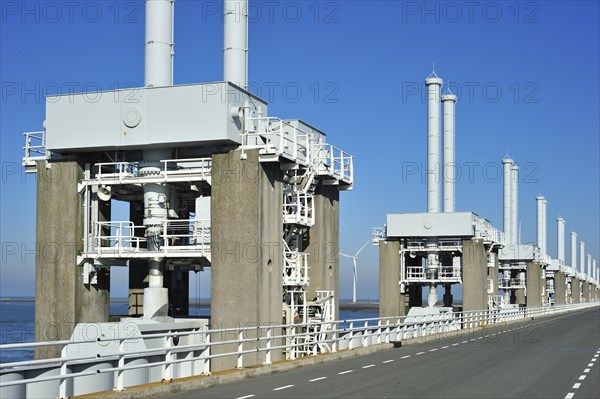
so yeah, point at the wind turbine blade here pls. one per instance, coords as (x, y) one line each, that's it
(363, 247)
(346, 255)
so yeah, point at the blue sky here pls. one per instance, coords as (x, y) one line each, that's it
(527, 75)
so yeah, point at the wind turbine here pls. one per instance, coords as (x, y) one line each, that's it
(354, 258)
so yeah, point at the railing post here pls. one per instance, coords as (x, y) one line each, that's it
(168, 368)
(351, 336)
(240, 348)
(378, 340)
(268, 354)
(64, 370)
(335, 337)
(365, 331)
(120, 377)
(293, 343)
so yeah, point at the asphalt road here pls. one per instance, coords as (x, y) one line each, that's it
(549, 358)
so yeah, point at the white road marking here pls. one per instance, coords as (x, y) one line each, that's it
(582, 377)
(368, 366)
(420, 353)
(455, 344)
(346, 372)
(569, 395)
(594, 359)
(432, 350)
(577, 385)
(317, 379)
(388, 361)
(284, 387)
(480, 338)
(246, 397)
(464, 342)
(596, 355)
(586, 370)
(405, 357)
(590, 364)
(444, 347)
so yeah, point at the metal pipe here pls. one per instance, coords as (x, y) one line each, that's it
(544, 227)
(235, 43)
(507, 164)
(561, 240)
(589, 266)
(574, 251)
(582, 257)
(449, 170)
(514, 204)
(433, 84)
(158, 65)
(539, 200)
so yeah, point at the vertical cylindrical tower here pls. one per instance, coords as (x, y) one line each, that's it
(544, 227)
(449, 169)
(581, 257)
(235, 42)
(507, 164)
(574, 251)
(158, 65)
(589, 266)
(514, 201)
(433, 84)
(539, 201)
(561, 240)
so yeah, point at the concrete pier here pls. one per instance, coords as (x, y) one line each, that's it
(474, 275)
(575, 290)
(247, 253)
(559, 288)
(62, 300)
(534, 284)
(323, 245)
(391, 301)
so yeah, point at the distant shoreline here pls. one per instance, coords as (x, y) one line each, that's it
(370, 306)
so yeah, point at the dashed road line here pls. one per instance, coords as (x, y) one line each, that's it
(346, 372)
(420, 353)
(282, 388)
(576, 385)
(455, 344)
(444, 347)
(432, 350)
(464, 342)
(590, 364)
(569, 395)
(388, 361)
(582, 377)
(368, 366)
(586, 370)
(246, 397)
(405, 357)
(317, 379)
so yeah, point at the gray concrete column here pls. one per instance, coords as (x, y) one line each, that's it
(520, 296)
(560, 286)
(391, 301)
(323, 245)
(247, 250)
(534, 284)
(61, 298)
(474, 275)
(575, 290)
